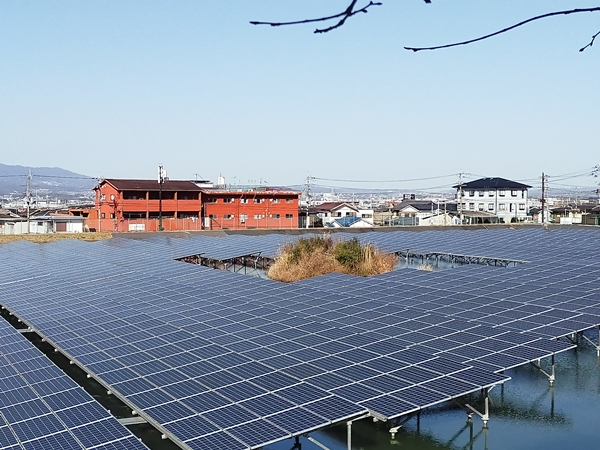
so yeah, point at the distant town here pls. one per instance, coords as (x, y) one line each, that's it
(79, 204)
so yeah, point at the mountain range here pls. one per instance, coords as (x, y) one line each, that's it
(51, 182)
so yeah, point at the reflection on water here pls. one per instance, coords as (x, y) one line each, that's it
(525, 414)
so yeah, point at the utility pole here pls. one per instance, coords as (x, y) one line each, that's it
(161, 180)
(543, 198)
(28, 199)
(460, 197)
(307, 201)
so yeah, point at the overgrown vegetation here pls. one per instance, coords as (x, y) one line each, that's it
(45, 238)
(320, 255)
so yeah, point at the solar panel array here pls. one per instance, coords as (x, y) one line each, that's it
(215, 359)
(42, 408)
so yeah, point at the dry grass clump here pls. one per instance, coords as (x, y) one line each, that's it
(319, 255)
(45, 238)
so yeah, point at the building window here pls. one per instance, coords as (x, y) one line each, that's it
(275, 216)
(213, 216)
(471, 193)
(243, 217)
(112, 216)
(513, 193)
(228, 216)
(481, 193)
(258, 200)
(259, 216)
(289, 216)
(502, 207)
(339, 214)
(211, 200)
(274, 200)
(289, 200)
(103, 216)
(490, 206)
(501, 193)
(367, 216)
(472, 206)
(480, 206)
(521, 206)
(491, 193)
(228, 200)
(112, 196)
(243, 200)
(103, 197)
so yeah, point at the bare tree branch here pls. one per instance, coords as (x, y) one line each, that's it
(343, 16)
(591, 42)
(543, 16)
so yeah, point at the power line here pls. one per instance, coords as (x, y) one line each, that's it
(384, 181)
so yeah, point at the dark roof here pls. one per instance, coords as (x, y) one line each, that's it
(151, 185)
(493, 183)
(330, 206)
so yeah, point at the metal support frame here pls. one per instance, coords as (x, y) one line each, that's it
(485, 416)
(394, 430)
(317, 443)
(551, 376)
(458, 259)
(596, 346)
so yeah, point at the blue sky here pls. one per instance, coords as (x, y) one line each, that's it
(115, 88)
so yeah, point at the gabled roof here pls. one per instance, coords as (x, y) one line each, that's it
(493, 183)
(150, 185)
(332, 206)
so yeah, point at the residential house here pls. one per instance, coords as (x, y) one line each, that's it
(497, 197)
(329, 212)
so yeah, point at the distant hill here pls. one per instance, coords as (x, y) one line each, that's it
(47, 181)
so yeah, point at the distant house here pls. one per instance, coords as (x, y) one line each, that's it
(496, 197)
(349, 222)
(40, 222)
(422, 213)
(329, 212)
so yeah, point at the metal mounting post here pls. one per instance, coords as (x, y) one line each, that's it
(596, 346)
(485, 416)
(551, 376)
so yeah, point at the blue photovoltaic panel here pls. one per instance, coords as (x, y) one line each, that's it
(178, 341)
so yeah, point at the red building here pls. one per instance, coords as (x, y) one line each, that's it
(135, 205)
(252, 208)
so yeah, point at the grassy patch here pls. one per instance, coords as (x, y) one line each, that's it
(321, 255)
(45, 238)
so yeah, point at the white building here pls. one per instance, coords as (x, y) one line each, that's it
(329, 212)
(503, 198)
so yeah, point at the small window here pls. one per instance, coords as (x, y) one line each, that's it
(289, 216)
(228, 216)
(490, 206)
(228, 200)
(257, 200)
(103, 216)
(513, 193)
(213, 216)
(243, 217)
(275, 216)
(521, 206)
(103, 197)
(367, 216)
(502, 207)
(289, 200)
(491, 193)
(259, 216)
(211, 200)
(274, 200)
(472, 206)
(243, 200)
(501, 193)
(480, 206)
(339, 214)
(481, 193)
(112, 196)
(112, 216)
(471, 193)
